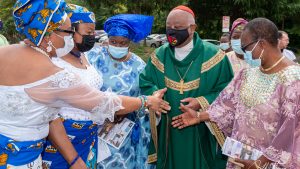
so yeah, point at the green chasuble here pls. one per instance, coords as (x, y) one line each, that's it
(193, 147)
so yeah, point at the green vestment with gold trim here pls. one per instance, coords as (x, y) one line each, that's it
(193, 147)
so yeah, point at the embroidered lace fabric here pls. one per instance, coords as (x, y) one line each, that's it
(263, 111)
(90, 76)
(27, 109)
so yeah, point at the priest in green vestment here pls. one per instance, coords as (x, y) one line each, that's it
(194, 72)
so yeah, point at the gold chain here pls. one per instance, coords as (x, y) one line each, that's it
(182, 78)
(268, 69)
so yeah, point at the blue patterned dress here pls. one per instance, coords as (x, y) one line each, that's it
(123, 78)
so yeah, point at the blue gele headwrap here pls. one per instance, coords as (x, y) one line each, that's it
(34, 18)
(132, 26)
(80, 14)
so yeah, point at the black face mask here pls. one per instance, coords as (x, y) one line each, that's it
(177, 37)
(88, 42)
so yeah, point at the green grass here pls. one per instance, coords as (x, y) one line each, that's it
(143, 52)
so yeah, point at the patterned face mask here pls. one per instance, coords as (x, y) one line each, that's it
(177, 37)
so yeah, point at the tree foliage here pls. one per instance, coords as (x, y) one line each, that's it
(8, 22)
(208, 13)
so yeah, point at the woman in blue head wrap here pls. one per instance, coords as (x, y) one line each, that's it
(120, 69)
(32, 87)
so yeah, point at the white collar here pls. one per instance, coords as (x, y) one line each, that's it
(181, 53)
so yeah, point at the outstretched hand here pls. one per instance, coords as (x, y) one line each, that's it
(157, 104)
(160, 93)
(187, 118)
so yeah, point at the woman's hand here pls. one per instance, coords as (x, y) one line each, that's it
(187, 118)
(79, 164)
(157, 104)
(160, 93)
(248, 164)
(261, 162)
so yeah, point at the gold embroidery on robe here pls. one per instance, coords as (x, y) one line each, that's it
(216, 130)
(206, 66)
(152, 158)
(152, 117)
(155, 61)
(186, 86)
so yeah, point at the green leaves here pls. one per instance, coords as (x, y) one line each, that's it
(208, 13)
(9, 30)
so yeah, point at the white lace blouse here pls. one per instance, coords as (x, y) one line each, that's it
(27, 109)
(90, 76)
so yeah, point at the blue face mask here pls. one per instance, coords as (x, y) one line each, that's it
(249, 59)
(224, 46)
(236, 46)
(118, 52)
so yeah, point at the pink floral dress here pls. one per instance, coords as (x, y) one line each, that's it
(262, 110)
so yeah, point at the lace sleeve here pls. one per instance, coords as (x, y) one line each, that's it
(65, 89)
(283, 144)
(222, 110)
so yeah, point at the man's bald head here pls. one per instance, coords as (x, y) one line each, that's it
(178, 17)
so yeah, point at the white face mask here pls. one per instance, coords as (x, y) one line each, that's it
(249, 58)
(69, 45)
(224, 46)
(118, 52)
(236, 46)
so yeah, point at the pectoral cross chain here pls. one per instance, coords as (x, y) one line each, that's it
(182, 78)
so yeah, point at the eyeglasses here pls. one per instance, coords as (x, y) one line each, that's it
(249, 44)
(66, 31)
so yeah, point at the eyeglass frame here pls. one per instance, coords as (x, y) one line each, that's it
(66, 31)
(249, 44)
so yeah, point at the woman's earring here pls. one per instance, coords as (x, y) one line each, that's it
(49, 47)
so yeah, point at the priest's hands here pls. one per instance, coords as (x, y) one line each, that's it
(157, 104)
(188, 118)
(191, 103)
